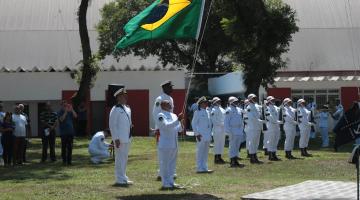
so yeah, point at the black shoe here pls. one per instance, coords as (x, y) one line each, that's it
(307, 153)
(289, 155)
(254, 159)
(304, 153)
(275, 158)
(266, 153)
(257, 160)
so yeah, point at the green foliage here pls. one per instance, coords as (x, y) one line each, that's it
(94, 64)
(261, 31)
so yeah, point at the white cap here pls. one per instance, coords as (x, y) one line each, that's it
(215, 99)
(201, 100)
(232, 100)
(167, 82)
(246, 102)
(300, 101)
(270, 98)
(286, 100)
(251, 96)
(120, 91)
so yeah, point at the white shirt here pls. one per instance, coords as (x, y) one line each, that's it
(201, 124)
(217, 116)
(20, 125)
(169, 127)
(304, 117)
(273, 117)
(289, 117)
(157, 106)
(323, 119)
(120, 123)
(98, 142)
(254, 117)
(234, 121)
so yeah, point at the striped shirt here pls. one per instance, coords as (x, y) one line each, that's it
(49, 118)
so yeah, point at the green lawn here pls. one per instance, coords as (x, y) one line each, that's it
(86, 181)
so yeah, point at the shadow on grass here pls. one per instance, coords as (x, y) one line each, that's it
(185, 196)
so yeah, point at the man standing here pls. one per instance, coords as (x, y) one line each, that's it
(20, 134)
(234, 127)
(289, 127)
(323, 125)
(305, 127)
(201, 124)
(98, 147)
(49, 121)
(28, 130)
(169, 126)
(217, 119)
(253, 128)
(167, 88)
(273, 126)
(66, 117)
(120, 127)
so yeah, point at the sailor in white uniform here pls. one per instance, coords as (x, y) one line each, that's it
(234, 127)
(273, 126)
(217, 119)
(169, 126)
(305, 127)
(289, 127)
(98, 147)
(201, 124)
(120, 127)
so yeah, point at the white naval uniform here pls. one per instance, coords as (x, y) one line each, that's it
(201, 124)
(217, 119)
(289, 127)
(157, 107)
(234, 127)
(305, 126)
(273, 126)
(98, 148)
(120, 125)
(169, 127)
(253, 127)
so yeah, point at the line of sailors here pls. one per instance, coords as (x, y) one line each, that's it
(245, 123)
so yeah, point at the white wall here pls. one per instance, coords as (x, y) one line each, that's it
(314, 85)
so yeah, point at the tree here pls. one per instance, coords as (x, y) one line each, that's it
(88, 64)
(261, 31)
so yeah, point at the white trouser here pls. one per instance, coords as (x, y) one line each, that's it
(252, 140)
(121, 158)
(273, 137)
(167, 163)
(202, 152)
(234, 145)
(290, 138)
(324, 136)
(265, 139)
(98, 155)
(219, 140)
(304, 136)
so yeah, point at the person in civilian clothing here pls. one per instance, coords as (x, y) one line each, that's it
(120, 127)
(7, 128)
(98, 147)
(20, 134)
(49, 121)
(28, 131)
(66, 117)
(169, 126)
(201, 124)
(217, 119)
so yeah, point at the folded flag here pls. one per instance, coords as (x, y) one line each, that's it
(164, 19)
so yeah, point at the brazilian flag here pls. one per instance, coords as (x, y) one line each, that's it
(164, 19)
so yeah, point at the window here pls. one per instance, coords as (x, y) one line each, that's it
(321, 97)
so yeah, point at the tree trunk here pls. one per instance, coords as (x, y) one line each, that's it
(87, 74)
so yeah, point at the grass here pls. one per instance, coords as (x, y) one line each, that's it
(86, 181)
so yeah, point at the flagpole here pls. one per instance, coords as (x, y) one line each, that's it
(197, 50)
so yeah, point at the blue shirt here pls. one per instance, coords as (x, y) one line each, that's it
(66, 126)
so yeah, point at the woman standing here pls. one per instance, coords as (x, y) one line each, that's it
(7, 139)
